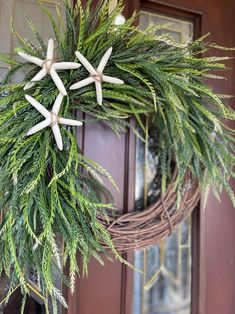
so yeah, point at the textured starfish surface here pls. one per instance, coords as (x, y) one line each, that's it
(96, 75)
(52, 119)
(49, 66)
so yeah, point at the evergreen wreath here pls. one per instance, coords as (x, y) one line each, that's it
(47, 194)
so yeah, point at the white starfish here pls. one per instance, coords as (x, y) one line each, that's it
(52, 119)
(49, 66)
(96, 75)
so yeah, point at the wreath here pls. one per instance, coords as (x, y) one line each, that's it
(50, 192)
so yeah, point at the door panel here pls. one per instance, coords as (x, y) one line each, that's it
(102, 290)
(103, 283)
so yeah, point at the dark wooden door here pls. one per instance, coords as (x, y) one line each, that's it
(109, 289)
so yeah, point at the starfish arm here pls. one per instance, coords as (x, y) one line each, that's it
(50, 49)
(38, 106)
(57, 103)
(41, 74)
(99, 96)
(38, 127)
(57, 135)
(66, 65)
(59, 84)
(86, 64)
(31, 59)
(70, 122)
(104, 60)
(83, 83)
(113, 80)
(29, 85)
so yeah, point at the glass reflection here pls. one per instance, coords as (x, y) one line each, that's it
(165, 285)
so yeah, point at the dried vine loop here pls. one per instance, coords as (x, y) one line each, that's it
(140, 229)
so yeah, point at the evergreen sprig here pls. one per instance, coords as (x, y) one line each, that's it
(50, 197)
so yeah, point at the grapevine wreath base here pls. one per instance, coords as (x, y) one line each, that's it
(138, 230)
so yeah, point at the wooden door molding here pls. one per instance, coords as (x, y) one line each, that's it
(173, 11)
(198, 293)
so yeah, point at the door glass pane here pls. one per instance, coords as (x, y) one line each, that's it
(165, 285)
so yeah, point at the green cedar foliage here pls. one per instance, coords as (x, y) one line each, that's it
(48, 195)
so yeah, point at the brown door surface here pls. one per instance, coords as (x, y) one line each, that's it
(109, 289)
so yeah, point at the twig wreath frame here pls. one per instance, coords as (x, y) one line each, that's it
(51, 191)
